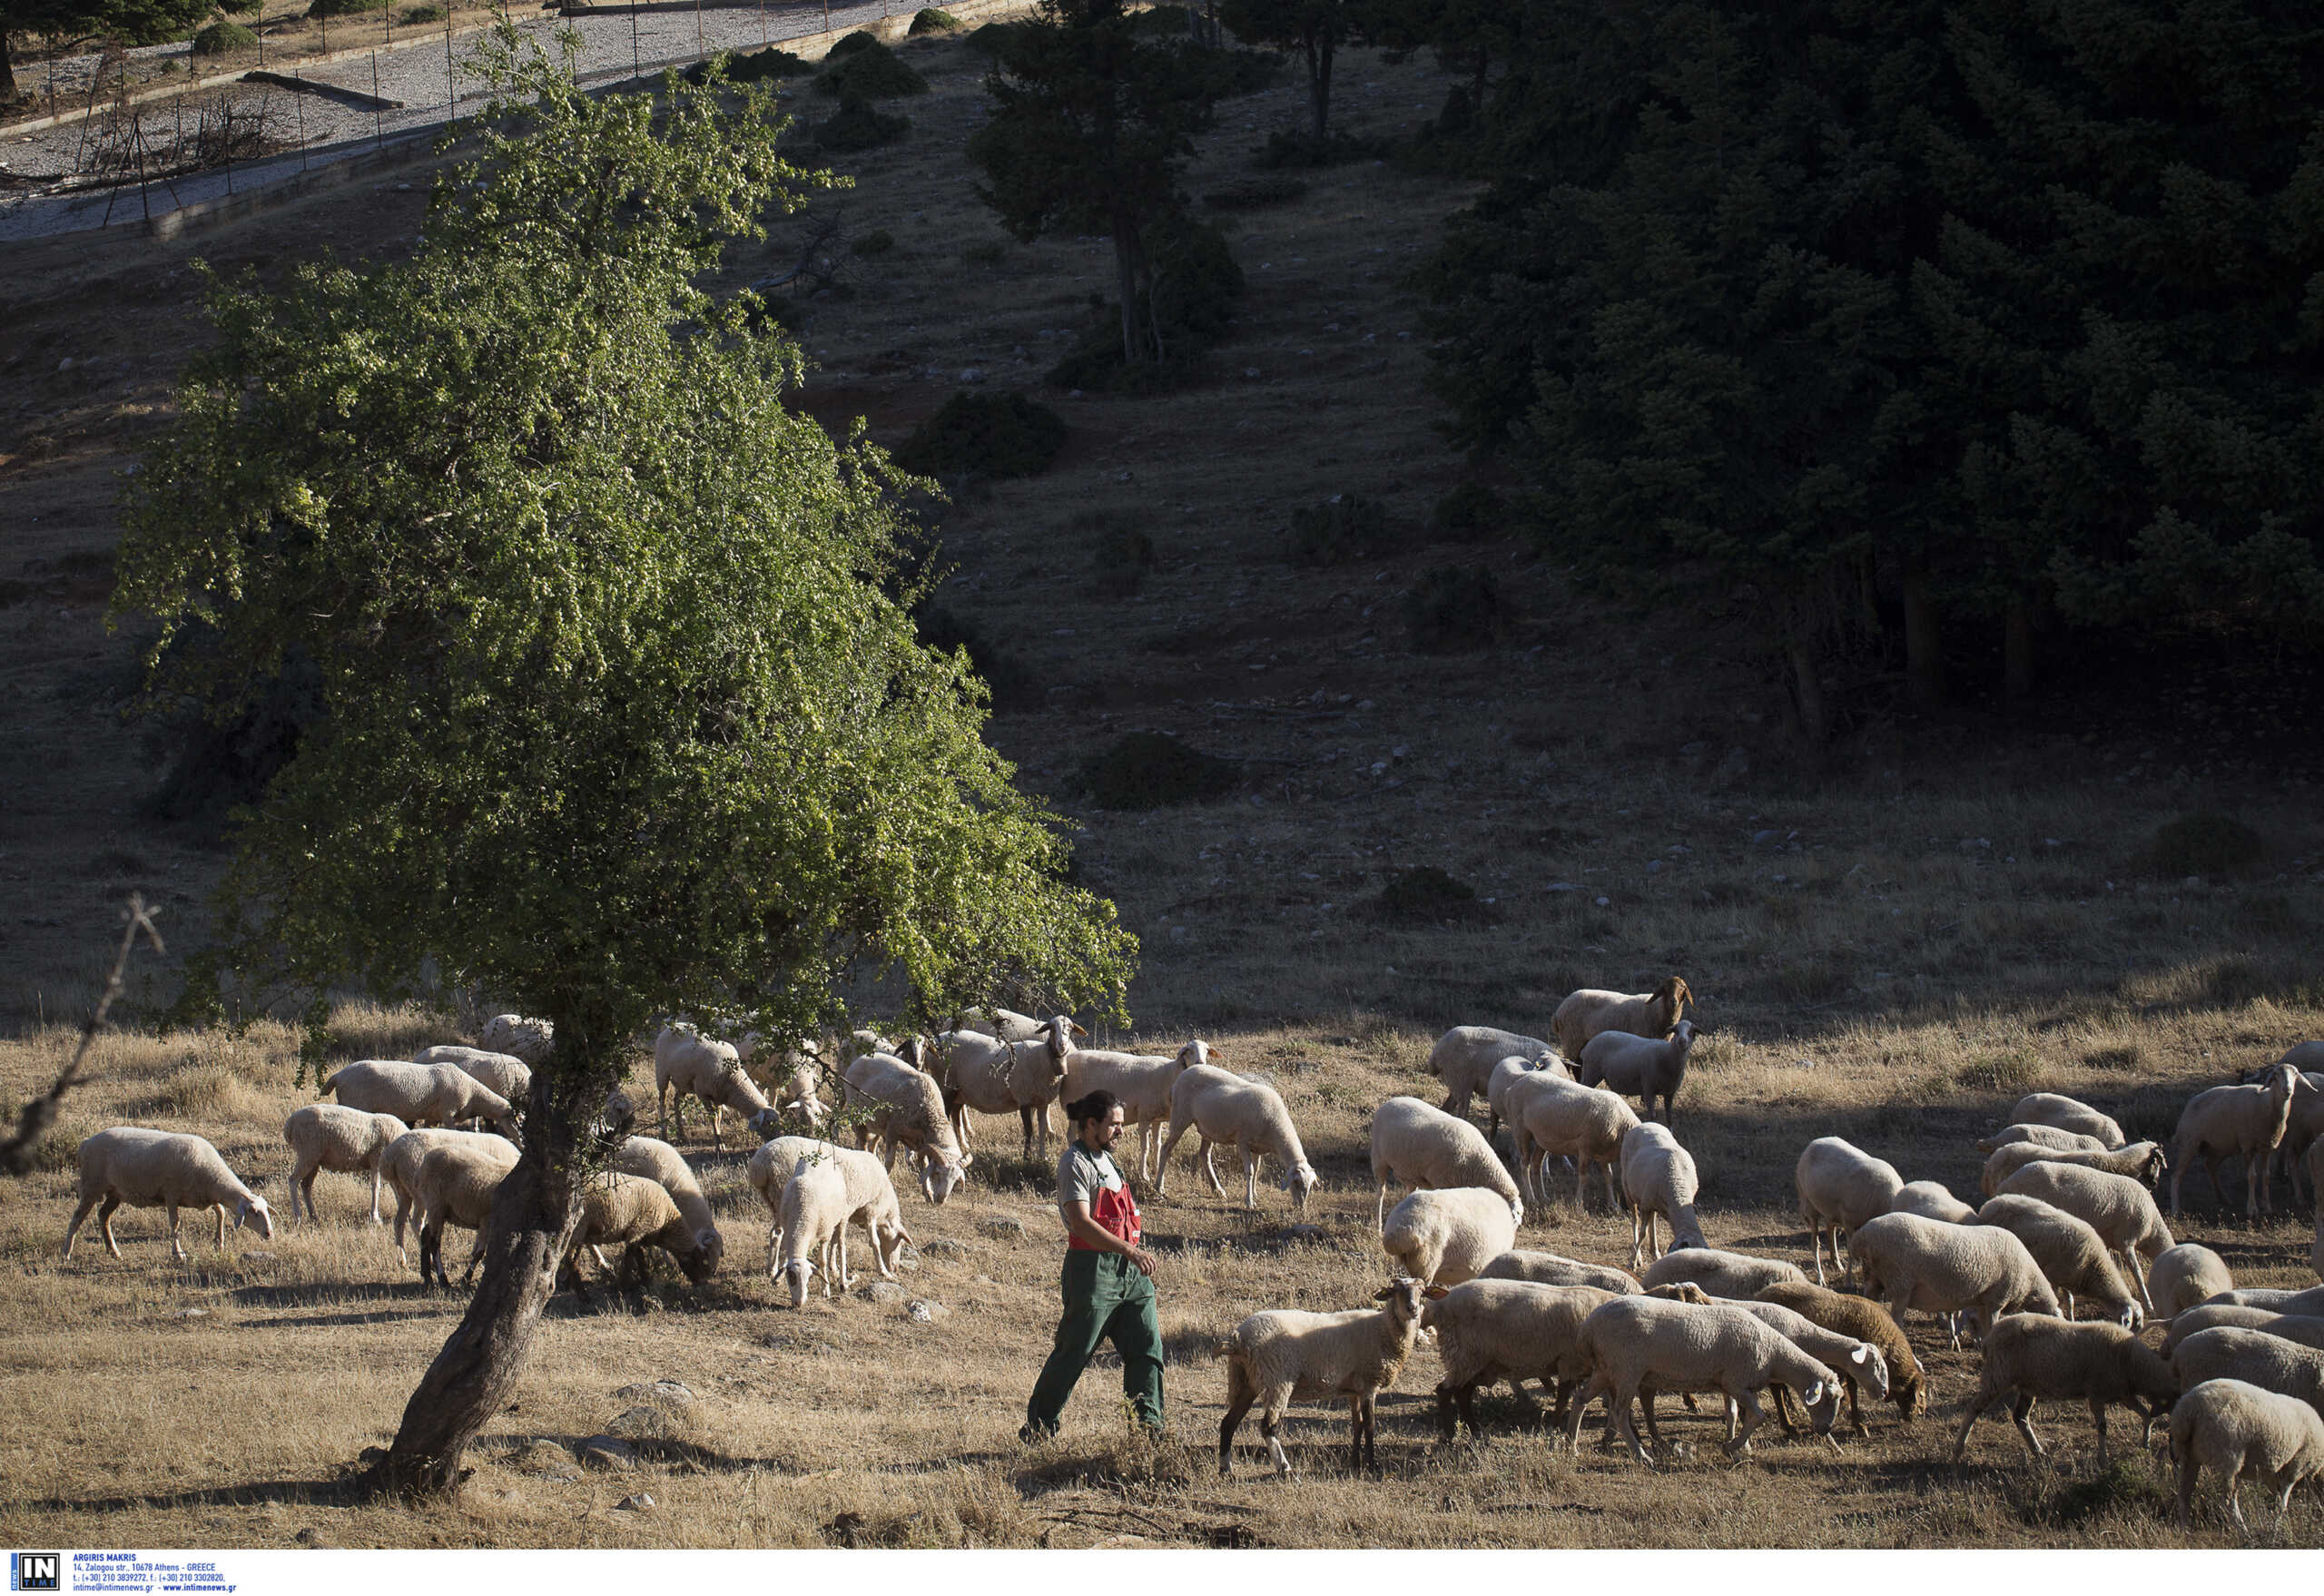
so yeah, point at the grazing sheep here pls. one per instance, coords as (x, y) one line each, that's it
(1931, 1199)
(1226, 1110)
(2184, 1275)
(814, 1221)
(1645, 1068)
(1551, 1115)
(2048, 1135)
(161, 1169)
(2072, 1257)
(1908, 1262)
(1658, 1177)
(528, 1040)
(791, 1078)
(2064, 1113)
(698, 1067)
(2272, 1363)
(616, 1116)
(1636, 1343)
(419, 1094)
(912, 1116)
(504, 1073)
(1512, 1330)
(2142, 1161)
(1511, 1074)
(2245, 1122)
(1464, 1060)
(1841, 1187)
(400, 1167)
(1428, 1149)
(1281, 1354)
(1585, 1013)
(1868, 1321)
(1851, 1356)
(1140, 1083)
(995, 1076)
(663, 1164)
(1002, 1024)
(2033, 1357)
(632, 1212)
(2117, 1206)
(2306, 1329)
(325, 1136)
(2233, 1427)
(1734, 1275)
(1550, 1269)
(1446, 1238)
(870, 1195)
(454, 1185)
(2280, 1299)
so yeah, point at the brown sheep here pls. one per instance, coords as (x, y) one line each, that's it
(1868, 1321)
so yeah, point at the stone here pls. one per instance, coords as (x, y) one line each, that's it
(191, 1314)
(1001, 1225)
(548, 1457)
(645, 1421)
(609, 1451)
(926, 1311)
(667, 1392)
(310, 1536)
(882, 1293)
(641, 1503)
(973, 374)
(944, 1247)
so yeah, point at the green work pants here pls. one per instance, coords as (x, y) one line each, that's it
(1106, 1299)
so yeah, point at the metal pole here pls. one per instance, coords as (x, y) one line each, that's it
(698, 50)
(451, 94)
(635, 71)
(379, 118)
(763, 41)
(260, 31)
(299, 105)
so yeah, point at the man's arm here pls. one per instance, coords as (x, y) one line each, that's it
(1083, 1228)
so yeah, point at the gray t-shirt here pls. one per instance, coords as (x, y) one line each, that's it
(1081, 1175)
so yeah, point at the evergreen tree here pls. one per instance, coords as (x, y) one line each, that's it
(134, 21)
(1313, 29)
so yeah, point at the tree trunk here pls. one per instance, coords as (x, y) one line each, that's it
(1319, 84)
(2017, 647)
(1126, 276)
(7, 66)
(1814, 718)
(1923, 663)
(1485, 59)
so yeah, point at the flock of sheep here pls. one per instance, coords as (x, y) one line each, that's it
(2240, 1373)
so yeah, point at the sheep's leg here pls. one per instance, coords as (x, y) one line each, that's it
(1855, 1405)
(1636, 1263)
(1210, 1167)
(375, 1196)
(177, 1248)
(1754, 1415)
(2210, 1167)
(1271, 1426)
(1238, 1403)
(1178, 1129)
(2138, 1276)
(774, 1249)
(1355, 1433)
(2255, 1184)
(2178, 1176)
(1370, 1434)
(662, 1110)
(2190, 1467)
(1816, 1241)
(1784, 1405)
(1596, 1385)
(476, 1256)
(2019, 1415)
(80, 1217)
(2098, 1417)
(221, 1210)
(1250, 1181)
(1620, 1404)
(1978, 1406)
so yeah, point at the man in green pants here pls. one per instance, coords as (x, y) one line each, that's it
(1108, 1281)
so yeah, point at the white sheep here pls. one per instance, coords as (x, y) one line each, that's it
(1551, 1115)
(1735, 1275)
(1005, 1024)
(1464, 1060)
(1490, 1329)
(1512, 1074)
(1640, 1344)
(912, 1116)
(2064, 1113)
(2048, 1135)
(697, 1065)
(2272, 1363)
(1585, 1013)
(1658, 1178)
(348, 1141)
(2303, 1130)
(2308, 1303)
(507, 1074)
(2071, 1256)
(663, 1164)
(813, 1220)
(792, 1078)
(1645, 1068)
(529, 1039)
(1444, 1238)
(2245, 1122)
(2117, 1206)
(454, 1185)
(2142, 1161)
(1284, 1355)
(1907, 1262)
(161, 1169)
(870, 1195)
(2033, 1358)
(1931, 1199)
(632, 1212)
(419, 1093)
(1550, 1269)
(1140, 1082)
(2233, 1428)
(1840, 1186)
(1868, 1321)
(2184, 1275)
(1852, 1357)
(995, 1076)
(1226, 1110)
(2305, 1329)
(400, 1167)
(1426, 1148)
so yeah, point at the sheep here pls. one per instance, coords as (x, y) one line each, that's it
(1908, 1262)
(1464, 1060)
(1931, 1199)
(995, 1076)
(1445, 1237)
(504, 1073)
(400, 1167)
(1225, 1109)
(165, 1170)
(2117, 1206)
(814, 1218)
(791, 1078)
(1633, 1343)
(2048, 1135)
(913, 1117)
(2234, 1121)
(528, 1040)
(696, 1066)
(1280, 1355)
(1140, 1082)
(1585, 1013)
(454, 1185)
(1851, 1356)
(2072, 1257)
(2033, 1357)
(1722, 1273)
(663, 1164)
(1428, 1149)
(1841, 1187)
(616, 1117)
(2183, 1276)
(1868, 1321)
(2142, 1161)
(1646, 1067)
(2233, 1427)
(633, 1212)
(1513, 1330)
(2064, 1113)
(1552, 1114)
(1658, 1177)
(325, 1136)
(2303, 1130)
(1004, 1024)
(2316, 1190)
(2272, 1363)
(2306, 1329)
(870, 1195)
(1508, 1076)
(419, 1094)
(1550, 1269)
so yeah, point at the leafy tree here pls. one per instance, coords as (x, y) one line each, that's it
(621, 714)
(135, 21)
(1313, 29)
(1466, 35)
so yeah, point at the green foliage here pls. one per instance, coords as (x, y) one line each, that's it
(620, 714)
(931, 20)
(851, 43)
(1471, 513)
(208, 766)
(869, 72)
(993, 434)
(856, 125)
(1255, 193)
(1424, 895)
(2202, 844)
(220, 38)
(418, 14)
(1010, 681)
(993, 37)
(878, 242)
(344, 7)
(1456, 609)
(1313, 31)
(1344, 528)
(757, 67)
(1154, 770)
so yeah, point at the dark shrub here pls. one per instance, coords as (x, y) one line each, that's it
(1120, 552)
(221, 37)
(857, 126)
(208, 768)
(1196, 284)
(996, 434)
(993, 37)
(1012, 684)
(1346, 526)
(1425, 895)
(1255, 193)
(1471, 513)
(929, 20)
(345, 7)
(415, 15)
(872, 71)
(1456, 609)
(1152, 770)
(2202, 844)
(878, 242)
(860, 39)
(759, 66)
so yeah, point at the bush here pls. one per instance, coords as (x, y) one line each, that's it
(2202, 844)
(1151, 770)
(220, 37)
(345, 7)
(1307, 151)
(1196, 283)
(1344, 528)
(1425, 895)
(871, 72)
(857, 126)
(929, 20)
(993, 37)
(860, 39)
(239, 7)
(1471, 513)
(878, 242)
(1255, 193)
(1120, 551)
(421, 14)
(1456, 609)
(759, 66)
(995, 434)
(776, 310)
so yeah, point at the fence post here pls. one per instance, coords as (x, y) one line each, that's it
(451, 91)
(298, 108)
(260, 31)
(635, 71)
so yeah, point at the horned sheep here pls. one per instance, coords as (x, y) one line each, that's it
(1645, 1068)
(1658, 1178)
(1841, 1187)
(2072, 1257)
(161, 1169)
(1426, 1148)
(1445, 1237)
(2033, 1357)
(347, 1141)
(419, 1093)
(2233, 1427)
(2235, 1121)
(1284, 1355)
(1464, 1060)
(1226, 1110)
(1585, 1013)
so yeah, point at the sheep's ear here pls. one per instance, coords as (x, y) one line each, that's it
(1078, 1028)
(1383, 1293)
(1814, 1394)
(1857, 1356)
(1435, 1293)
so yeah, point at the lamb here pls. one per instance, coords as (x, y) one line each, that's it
(633, 1212)
(696, 1066)
(1224, 1108)
(1550, 1269)
(2048, 1135)
(1633, 1343)
(2272, 1363)
(663, 1164)
(870, 1195)
(419, 1094)
(1282, 1355)
(1908, 1262)
(2183, 1276)
(913, 1117)
(1140, 1082)
(2233, 1427)
(1841, 1187)
(165, 1170)
(528, 1040)
(1868, 1321)
(1585, 1013)
(2117, 1207)
(1428, 1149)
(2307, 1330)
(1734, 1275)
(2235, 1121)
(2066, 1114)
(994, 1077)
(399, 1167)
(1658, 1177)
(1502, 1329)
(325, 1136)
(813, 1220)
(1931, 1199)
(1646, 1067)
(2033, 1357)
(454, 1185)
(1551, 1115)
(504, 1073)
(1464, 1060)
(1446, 1238)
(2072, 1257)
(2142, 1161)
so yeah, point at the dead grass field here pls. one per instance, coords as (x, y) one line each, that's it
(1892, 940)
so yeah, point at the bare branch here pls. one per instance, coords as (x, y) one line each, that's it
(17, 1152)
